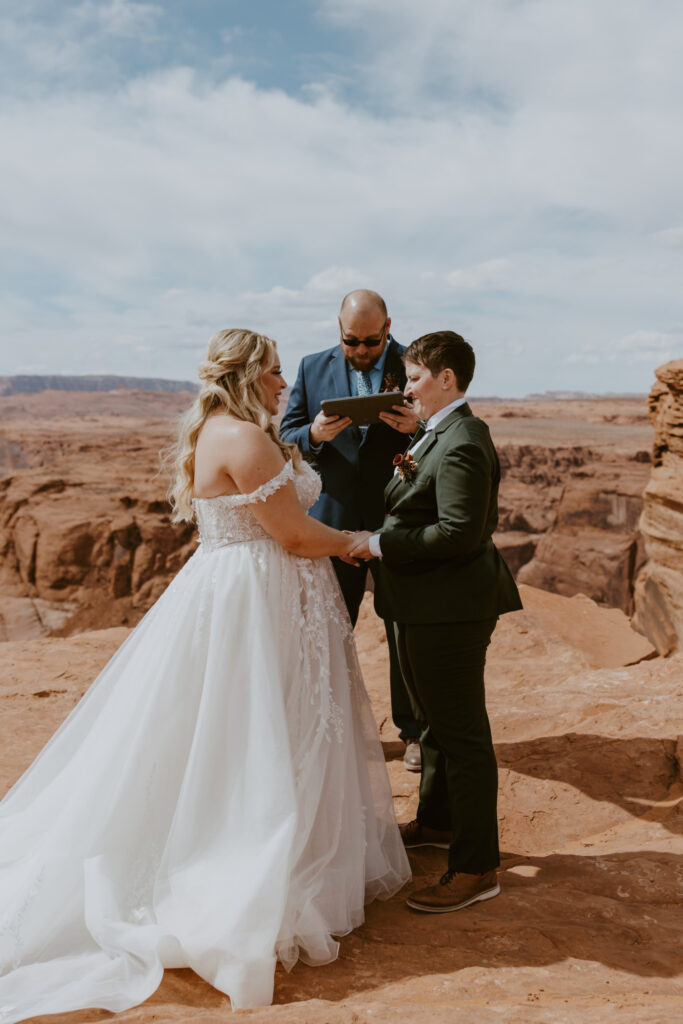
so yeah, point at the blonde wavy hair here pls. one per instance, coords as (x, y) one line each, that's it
(230, 380)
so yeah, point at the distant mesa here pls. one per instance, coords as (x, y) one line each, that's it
(572, 396)
(29, 384)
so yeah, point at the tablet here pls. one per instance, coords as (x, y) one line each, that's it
(365, 409)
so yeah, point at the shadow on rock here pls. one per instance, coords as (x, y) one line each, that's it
(634, 773)
(617, 910)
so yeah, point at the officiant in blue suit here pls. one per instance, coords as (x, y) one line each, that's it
(356, 463)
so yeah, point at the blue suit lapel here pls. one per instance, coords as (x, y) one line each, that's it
(341, 388)
(340, 377)
(393, 364)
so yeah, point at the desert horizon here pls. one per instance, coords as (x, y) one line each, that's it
(26, 384)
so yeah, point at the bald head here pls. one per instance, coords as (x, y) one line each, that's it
(363, 302)
(364, 322)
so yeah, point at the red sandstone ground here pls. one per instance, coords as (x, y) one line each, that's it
(587, 928)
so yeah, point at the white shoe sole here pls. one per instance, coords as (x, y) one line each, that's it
(412, 767)
(479, 898)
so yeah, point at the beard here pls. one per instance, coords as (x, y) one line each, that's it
(365, 362)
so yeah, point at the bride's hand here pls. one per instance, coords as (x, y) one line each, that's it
(361, 545)
(346, 554)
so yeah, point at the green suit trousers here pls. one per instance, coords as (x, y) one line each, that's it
(443, 667)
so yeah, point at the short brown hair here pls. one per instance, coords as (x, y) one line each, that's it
(443, 350)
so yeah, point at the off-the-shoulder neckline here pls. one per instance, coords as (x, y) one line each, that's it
(246, 499)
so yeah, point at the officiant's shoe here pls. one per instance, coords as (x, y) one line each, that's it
(414, 834)
(412, 759)
(455, 891)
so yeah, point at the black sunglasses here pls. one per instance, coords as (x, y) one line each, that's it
(368, 342)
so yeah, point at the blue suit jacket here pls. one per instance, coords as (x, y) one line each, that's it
(354, 469)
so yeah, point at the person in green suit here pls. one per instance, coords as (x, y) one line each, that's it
(442, 581)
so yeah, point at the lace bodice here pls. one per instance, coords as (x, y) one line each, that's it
(228, 518)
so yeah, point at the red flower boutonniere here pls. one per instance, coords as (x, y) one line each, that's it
(406, 466)
(390, 382)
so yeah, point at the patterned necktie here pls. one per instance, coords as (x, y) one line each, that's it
(364, 385)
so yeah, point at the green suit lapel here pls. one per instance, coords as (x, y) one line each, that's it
(433, 436)
(453, 417)
(396, 478)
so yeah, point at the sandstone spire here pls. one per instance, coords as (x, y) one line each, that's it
(659, 587)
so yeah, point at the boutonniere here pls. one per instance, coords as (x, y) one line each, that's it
(406, 467)
(390, 382)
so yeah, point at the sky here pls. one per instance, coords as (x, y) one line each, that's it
(509, 169)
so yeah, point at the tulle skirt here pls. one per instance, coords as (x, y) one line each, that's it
(217, 800)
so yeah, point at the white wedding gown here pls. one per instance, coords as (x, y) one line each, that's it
(217, 800)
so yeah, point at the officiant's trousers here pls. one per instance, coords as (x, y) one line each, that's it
(443, 667)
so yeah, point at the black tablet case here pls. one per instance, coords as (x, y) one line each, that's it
(365, 409)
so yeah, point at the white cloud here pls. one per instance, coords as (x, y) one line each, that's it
(502, 169)
(646, 346)
(119, 17)
(335, 280)
(490, 274)
(584, 357)
(672, 238)
(42, 43)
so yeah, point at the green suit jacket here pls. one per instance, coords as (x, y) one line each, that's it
(438, 562)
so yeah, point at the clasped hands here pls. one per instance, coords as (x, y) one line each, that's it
(359, 550)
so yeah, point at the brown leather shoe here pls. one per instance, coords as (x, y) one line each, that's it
(455, 891)
(412, 759)
(414, 834)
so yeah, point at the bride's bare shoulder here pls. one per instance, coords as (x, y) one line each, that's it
(222, 428)
(244, 450)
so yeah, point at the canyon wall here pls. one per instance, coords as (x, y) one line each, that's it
(569, 512)
(659, 587)
(593, 545)
(86, 540)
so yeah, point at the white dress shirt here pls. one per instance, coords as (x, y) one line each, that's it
(374, 541)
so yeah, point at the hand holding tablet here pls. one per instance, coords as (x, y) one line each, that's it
(365, 409)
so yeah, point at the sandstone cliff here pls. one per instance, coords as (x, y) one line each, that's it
(86, 540)
(593, 546)
(571, 494)
(659, 588)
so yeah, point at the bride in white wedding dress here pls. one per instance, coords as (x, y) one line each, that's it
(218, 799)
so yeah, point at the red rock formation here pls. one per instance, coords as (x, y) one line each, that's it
(86, 541)
(570, 495)
(593, 546)
(85, 532)
(659, 588)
